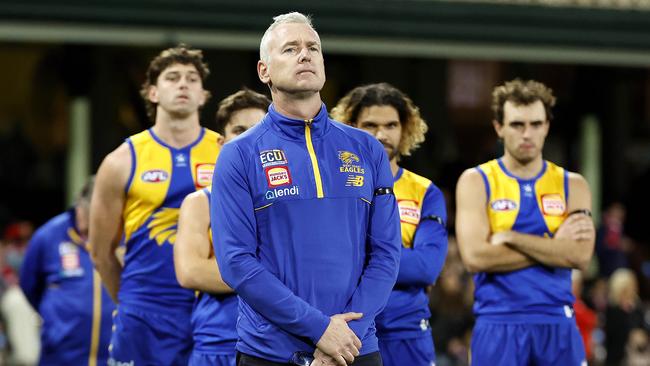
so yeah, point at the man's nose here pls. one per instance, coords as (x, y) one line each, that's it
(304, 55)
(380, 134)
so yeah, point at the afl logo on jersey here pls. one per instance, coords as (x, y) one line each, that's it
(155, 176)
(503, 205)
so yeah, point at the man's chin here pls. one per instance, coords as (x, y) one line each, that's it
(524, 159)
(392, 153)
(181, 113)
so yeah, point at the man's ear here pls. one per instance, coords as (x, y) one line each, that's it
(221, 140)
(263, 72)
(204, 96)
(152, 94)
(498, 127)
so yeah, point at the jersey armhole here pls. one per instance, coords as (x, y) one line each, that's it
(133, 162)
(566, 187)
(487, 185)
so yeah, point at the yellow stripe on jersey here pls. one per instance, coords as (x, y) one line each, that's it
(202, 159)
(504, 200)
(409, 191)
(150, 182)
(551, 196)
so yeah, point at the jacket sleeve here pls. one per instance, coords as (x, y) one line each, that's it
(421, 265)
(383, 242)
(32, 278)
(235, 246)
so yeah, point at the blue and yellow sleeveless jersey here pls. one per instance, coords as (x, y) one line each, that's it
(161, 177)
(58, 279)
(536, 206)
(214, 319)
(424, 248)
(305, 226)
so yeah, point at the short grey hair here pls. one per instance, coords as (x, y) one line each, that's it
(293, 17)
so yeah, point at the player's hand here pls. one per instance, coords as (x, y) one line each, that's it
(322, 359)
(500, 238)
(339, 341)
(577, 227)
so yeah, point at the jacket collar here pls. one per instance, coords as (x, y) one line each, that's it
(295, 128)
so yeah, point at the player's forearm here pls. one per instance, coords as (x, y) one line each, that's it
(380, 274)
(495, 258)
(202, 275)
(552, 252)
(421, 266)
(110, 271)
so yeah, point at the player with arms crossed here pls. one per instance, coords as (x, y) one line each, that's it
(522, 224)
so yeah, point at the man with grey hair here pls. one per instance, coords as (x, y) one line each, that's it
(304, 219)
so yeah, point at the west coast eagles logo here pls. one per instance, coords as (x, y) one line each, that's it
(350, 164)
(348, 158)
(164, 225)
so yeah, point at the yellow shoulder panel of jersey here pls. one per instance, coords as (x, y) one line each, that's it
(409, 190)
(202, 152)
(150, 182)
(551, 196)
(503, 203)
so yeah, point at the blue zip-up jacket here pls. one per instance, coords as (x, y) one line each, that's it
(304, 228)
(58, 279)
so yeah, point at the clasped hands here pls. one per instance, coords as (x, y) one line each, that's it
(338, 346)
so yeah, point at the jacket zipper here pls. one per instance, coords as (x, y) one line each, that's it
(314, 160)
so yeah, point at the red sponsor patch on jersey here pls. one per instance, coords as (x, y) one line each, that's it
(204, 173)
(278, 176)
(409, 211)
(70, 261)
(553, 205)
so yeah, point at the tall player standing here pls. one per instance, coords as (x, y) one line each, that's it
(138, 192)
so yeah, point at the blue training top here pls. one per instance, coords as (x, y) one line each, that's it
(58, 279)
(305, 226)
